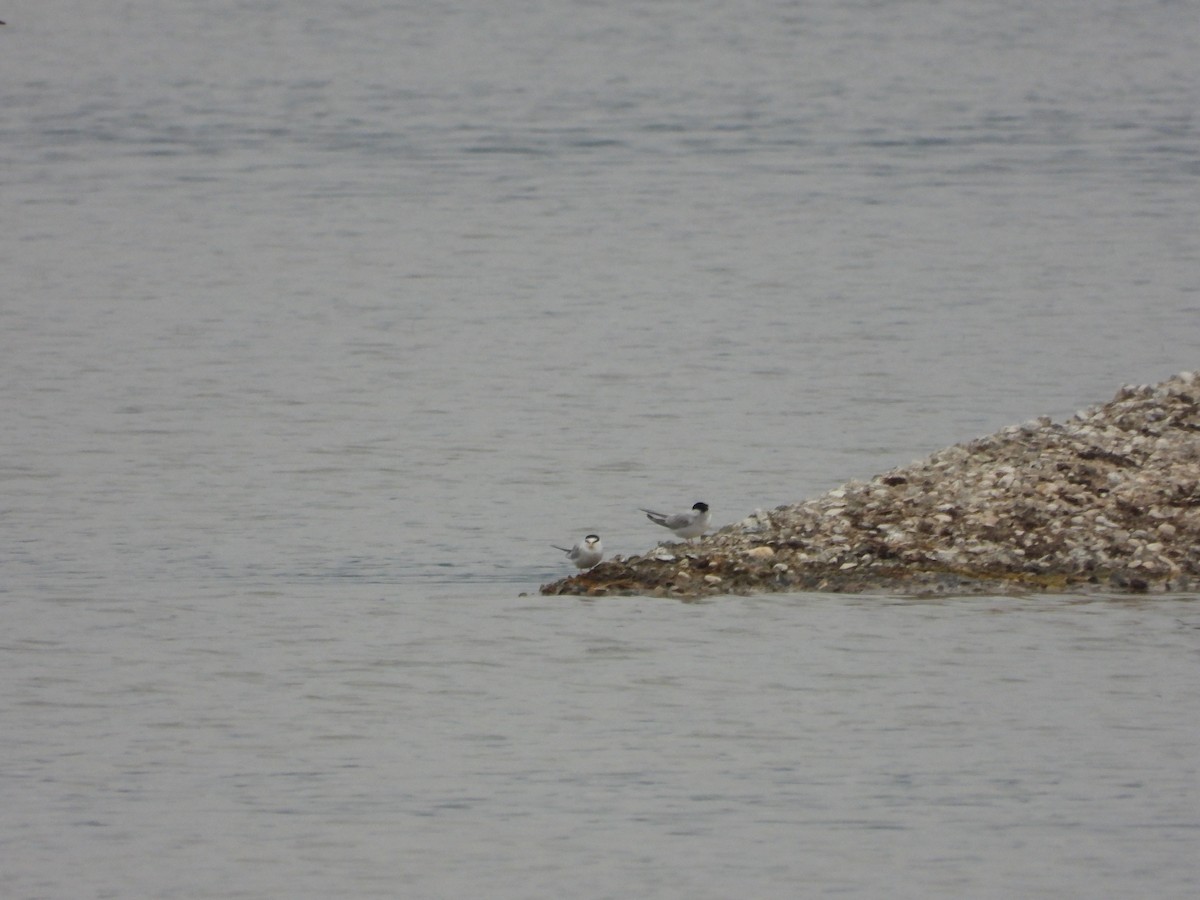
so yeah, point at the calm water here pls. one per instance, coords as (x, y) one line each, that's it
(321, 322)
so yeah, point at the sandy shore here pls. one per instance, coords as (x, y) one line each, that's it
(1107, 501)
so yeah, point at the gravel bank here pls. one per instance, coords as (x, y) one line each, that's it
(1109, 500)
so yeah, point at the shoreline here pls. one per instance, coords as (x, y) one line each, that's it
(1108, 501)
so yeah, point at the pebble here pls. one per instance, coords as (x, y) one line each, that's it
(1108, 500)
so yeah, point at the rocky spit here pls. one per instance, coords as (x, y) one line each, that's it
(1107, 501)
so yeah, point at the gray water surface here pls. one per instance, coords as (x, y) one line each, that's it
(349, 741)
(322, 321)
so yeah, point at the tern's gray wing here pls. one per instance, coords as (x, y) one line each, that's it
(679, 520)
(660, 518)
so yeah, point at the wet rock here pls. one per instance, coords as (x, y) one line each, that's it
(1109, 500)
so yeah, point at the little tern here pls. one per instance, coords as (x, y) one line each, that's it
(690, 524)
(586, 553)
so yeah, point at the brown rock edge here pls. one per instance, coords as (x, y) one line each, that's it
(1108, 501)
